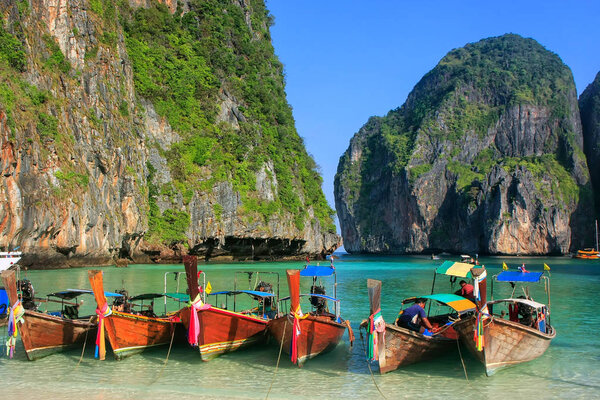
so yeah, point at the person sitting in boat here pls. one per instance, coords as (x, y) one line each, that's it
(466, 291)
(415, 318)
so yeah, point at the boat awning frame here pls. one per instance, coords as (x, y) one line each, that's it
(249, 292)
(528, 302)
(313, 295)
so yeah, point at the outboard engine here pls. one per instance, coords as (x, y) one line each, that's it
(27, 294)
(267, 288)
(318, 302)
(122, 303)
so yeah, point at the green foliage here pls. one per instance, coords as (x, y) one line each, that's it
(38, 97)
(96, 6)
(56, 59)
(168, 227)
(124, 108)
(47, 125)
(94, 120)
(465, 175)
(91, 54)
(71, 178)
(550, 176)
(23, 6)
(180, 63)
(465, 94)
(218, 210)
(11, 50)
(417, 171)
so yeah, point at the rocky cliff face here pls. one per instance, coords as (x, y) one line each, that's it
(485, 156)
(103, 156)
(589, 105)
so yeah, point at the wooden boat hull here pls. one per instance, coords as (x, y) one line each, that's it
(506, 342)
(44, 334)
(130, 334)
(223, 331)
(405, 347)
(318, 334)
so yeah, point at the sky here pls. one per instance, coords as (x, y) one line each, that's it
(346, 61)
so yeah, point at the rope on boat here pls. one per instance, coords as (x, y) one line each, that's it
(168, 354)
(461, 360)
(84, 342)
(278, 358)
(362, 340)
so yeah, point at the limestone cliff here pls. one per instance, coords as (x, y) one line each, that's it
(485, 156)
(589, 104)
(146, 130)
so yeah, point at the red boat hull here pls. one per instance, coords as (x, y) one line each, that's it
(223, 331)
(130, 334)
(318, 334)
(44, 334)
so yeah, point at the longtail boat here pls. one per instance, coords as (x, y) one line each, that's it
(499, 342)
(305, 336)
(589, 253)
(393, 346)
(218, 330)
(129, 332)
(42, 333)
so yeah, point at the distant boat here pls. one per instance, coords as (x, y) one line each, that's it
(589, 253)
(8, 259)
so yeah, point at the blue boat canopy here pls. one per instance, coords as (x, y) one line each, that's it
(250, 292)
(317, 270)
(312, 295)
(72, 293)
(518, 276)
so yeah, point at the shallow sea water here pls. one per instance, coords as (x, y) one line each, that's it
(568, 369)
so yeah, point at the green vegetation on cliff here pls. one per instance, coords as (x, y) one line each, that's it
(186, 64)
(466, 93)
(475, 140)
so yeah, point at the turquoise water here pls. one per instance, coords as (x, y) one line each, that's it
(569, 369)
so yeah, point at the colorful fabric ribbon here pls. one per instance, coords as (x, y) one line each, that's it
(482, 315)
(297, 314)
(376, 325)
(15, 315)
(476, 282)
(194, 325)
(100, 342)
